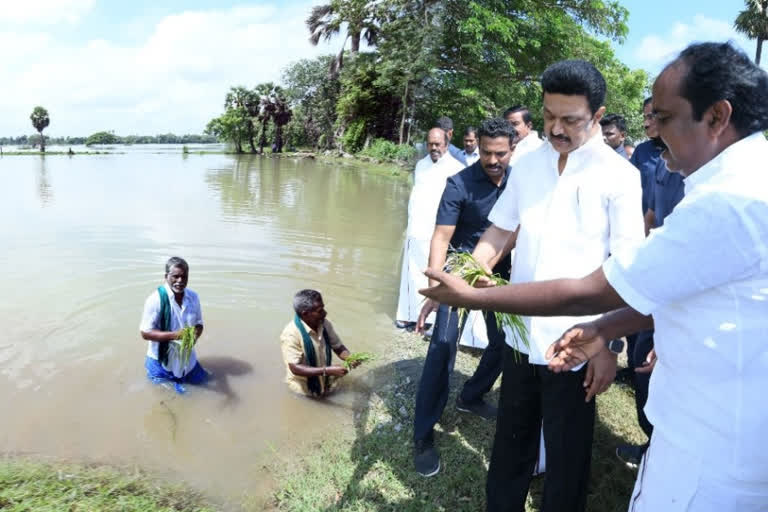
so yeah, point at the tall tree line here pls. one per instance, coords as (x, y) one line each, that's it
(469, 60)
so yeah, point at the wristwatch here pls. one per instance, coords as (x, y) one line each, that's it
(615, 346)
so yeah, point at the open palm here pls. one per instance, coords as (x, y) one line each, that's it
(577, 345)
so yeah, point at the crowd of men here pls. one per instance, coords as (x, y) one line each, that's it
(667, 249)
(692, 282)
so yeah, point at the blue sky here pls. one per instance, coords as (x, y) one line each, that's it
(164, 66)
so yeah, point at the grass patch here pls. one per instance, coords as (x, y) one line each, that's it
(372, 468)
(31, 485)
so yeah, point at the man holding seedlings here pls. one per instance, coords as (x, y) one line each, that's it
(461, 219)
(167, 311)
(567, 206)
(701, 280)
(307, 342)
(428, 183)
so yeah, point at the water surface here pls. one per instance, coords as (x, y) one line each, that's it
(83, 241)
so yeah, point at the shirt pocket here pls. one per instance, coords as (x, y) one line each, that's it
(591, 211)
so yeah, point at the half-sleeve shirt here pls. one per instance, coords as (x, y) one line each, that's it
(292, 345)
(704, 278)
(468, 198)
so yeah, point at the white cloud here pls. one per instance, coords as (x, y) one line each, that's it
(175, 80)
(655, 50)
(44, 11)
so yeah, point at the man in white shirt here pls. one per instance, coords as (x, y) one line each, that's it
(428, 184)
(520, 118)
(471, 152)
(569, 204)
(167, 311)
(701, 280)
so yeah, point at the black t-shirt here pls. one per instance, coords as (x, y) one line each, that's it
(468, 198)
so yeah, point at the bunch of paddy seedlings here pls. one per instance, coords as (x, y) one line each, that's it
(463, 265)
(186, 342)
(357, 357)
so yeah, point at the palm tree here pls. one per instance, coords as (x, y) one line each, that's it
(281, 116)
(325, 21)
(753, 22)
(40, 121)
(266, 108)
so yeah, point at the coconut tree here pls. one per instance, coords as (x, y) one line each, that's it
(266, 108)
(281, 116)
(40, 121)
(753, 22)
(325, 21)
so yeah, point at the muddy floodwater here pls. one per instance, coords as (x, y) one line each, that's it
(83, 242)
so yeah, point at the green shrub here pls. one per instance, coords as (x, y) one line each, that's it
(384, 149)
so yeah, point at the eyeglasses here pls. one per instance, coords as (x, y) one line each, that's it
(649, 117)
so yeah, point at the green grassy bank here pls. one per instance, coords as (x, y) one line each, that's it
(44, 486)
(371, 469)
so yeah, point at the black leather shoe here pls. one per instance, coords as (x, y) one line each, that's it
(482, 409)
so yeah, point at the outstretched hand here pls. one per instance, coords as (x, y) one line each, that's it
(577, 345)
(451, 290)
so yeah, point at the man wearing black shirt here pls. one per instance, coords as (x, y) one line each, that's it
(462, 218)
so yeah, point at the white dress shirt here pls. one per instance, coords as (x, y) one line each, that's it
(188, 314)
(530, 142)
(569, 223)
(428, 185)
(703, 276)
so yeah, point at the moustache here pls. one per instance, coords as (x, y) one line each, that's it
(561, 138)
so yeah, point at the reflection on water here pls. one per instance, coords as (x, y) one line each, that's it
(44, 188)
(254, 230)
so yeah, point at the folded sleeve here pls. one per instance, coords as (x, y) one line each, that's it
(150, 317)
(451, 203)
(706, 242)
(290, 342)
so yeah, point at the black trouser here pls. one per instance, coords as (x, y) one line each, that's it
(532, 395)
(643, 345)
(432, 394)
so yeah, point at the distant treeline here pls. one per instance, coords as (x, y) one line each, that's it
(108, 138)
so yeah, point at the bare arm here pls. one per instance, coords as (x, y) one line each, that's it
(165, 336)
(650, 220)
(494, 245)
(438, 247)
(589, 295)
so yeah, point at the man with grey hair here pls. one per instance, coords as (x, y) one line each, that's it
(167, 311)
(307, 342)
(428, 185)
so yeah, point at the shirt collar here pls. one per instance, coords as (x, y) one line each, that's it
(172, 296)
(582, 154)
(721, 161)
(311, 330)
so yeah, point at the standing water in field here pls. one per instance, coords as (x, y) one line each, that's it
(84, 242)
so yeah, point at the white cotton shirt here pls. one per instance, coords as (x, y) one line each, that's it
(428, 184)
(530, 142)
(188, 314)
(703, 276)
(569, 223)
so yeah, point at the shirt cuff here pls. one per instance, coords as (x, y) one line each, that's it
(615, 276)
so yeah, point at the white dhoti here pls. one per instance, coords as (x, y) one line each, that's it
(474, 333)
(412, 279)
(671, 479)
